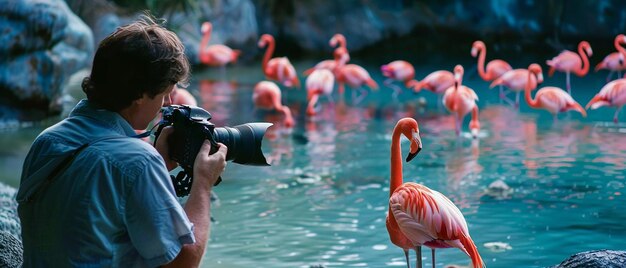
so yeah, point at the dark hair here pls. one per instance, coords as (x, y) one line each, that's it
(140, 58)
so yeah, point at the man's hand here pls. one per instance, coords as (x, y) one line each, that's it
(210, 166)
(163, 148)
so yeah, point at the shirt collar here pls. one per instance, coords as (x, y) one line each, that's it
(112, 120)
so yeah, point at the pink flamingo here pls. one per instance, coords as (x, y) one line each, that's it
(552, 99)
(436, 82)
(277, 69)
(319, 82)
(612, 94)
(614, 62)
(267, 96)
(353, 75)
(517, 80)
(494, 69)
(568, 61)
(460, 100)
(340, 51)
(418, 215)
(215, 55)
(399, 70)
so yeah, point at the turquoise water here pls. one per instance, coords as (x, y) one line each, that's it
(324, 199)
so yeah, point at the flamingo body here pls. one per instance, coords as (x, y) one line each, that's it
(437, 82)
(613, 94)
(401, 71)
(319, 82)
(355, 76)
(267, 96)
(516, 80)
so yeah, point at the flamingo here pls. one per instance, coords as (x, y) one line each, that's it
(215, 55)
(612, 94)
(267, 96)
(552, 99)
(399, 70)
(614, 62)
(353, 75)
(319, 82)
(495, 68)
(341, 51)
(460, 100)
(418, 215)
(568, 61)
(517, 80)
(277, 69)
(436, 82)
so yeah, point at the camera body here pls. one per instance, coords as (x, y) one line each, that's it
(192, 127)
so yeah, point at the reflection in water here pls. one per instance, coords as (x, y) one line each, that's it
(219, 98)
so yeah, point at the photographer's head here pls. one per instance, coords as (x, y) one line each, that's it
(135, 68)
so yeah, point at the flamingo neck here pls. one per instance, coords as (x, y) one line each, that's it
(583, 56)
(482, 54)
(269, 52)
(531, 102)
(396, 161)
(618, 45)
(204, 42)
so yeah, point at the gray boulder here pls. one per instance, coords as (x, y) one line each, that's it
(11, 251)
(42, 44)
(9, 220)
(595, 259)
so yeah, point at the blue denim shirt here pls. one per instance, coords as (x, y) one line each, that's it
(114, 206)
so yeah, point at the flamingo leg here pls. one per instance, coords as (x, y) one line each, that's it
(433, 256)
(567, 83)
(418, 253)
(330, 98)
(223, 72)
(396, 89)
(457, 122)
(406, 256)
(517, 99)
(608, 77)
(617, 111)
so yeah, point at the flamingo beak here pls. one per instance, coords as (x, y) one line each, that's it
(418, 144)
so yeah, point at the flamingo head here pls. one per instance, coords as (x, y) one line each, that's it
(476, 47)
(585, 45)
(474, 127)
(206, 27)
(265, 39)
(409, 128)
(458, 75)
(536, 69)
(337, 38)
(387, 70)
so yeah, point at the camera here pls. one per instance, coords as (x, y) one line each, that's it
(192, 126)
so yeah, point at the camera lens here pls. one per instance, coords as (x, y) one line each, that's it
(243, 142)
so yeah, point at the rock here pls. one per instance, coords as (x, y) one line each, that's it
(11, 251)
(43, 45)
(498, 189)
(9, 220)
(595, 259)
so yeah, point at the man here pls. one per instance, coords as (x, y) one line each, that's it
(113, 204)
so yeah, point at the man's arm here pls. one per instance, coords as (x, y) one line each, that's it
(207, 168)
